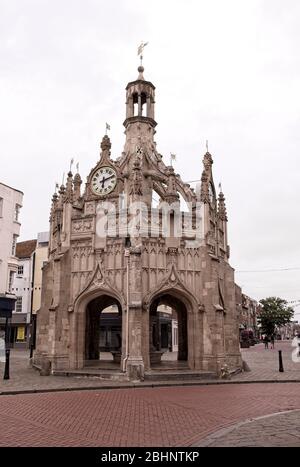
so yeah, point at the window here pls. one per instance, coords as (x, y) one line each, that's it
(14, 244)
(20, 270)
(1, 207)
(11, 280)
(19, 305)
(17, 212)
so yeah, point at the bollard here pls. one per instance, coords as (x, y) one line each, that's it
(6, 368)
(45, 368)
(280, 361)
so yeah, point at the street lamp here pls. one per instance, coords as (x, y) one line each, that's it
(7, 305)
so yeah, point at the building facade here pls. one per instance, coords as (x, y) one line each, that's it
(10, 205)
(22, 288)
(27, 285)
(249, 313)
(40, 258)
(109, 246)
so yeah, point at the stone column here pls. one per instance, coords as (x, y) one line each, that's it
(149, 107)
(135, 363)
(219, 339)
(57, 354)
(139, 105)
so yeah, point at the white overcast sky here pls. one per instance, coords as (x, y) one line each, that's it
(226, 71)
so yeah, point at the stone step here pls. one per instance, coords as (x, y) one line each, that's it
(172, 375)
(152, 375)
(115, 375)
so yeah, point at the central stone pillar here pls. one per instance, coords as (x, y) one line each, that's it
(135, 362)
(219, 340)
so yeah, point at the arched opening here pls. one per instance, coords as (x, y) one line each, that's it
(143, 105)
(168, 332)
(103, 332)
(184, 206)
(156, 200)
(139, 102)
(135, 100)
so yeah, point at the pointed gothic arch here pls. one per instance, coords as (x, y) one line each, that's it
(79, 318)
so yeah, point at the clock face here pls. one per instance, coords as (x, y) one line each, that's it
(104, 181)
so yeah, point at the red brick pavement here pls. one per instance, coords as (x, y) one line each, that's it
(174, 416)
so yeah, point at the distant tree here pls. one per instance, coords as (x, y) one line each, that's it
(274, 312)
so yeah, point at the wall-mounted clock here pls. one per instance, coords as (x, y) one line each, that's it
(104, 181)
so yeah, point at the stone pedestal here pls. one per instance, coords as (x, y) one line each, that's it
(135, 369)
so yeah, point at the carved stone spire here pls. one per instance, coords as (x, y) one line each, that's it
(204, 192)
(69, 188)
(61, 198)
(172, 195)
(105, 143)
(222, 213)
(206, 177)
(207, 161)
(77, 183)
(105, 149)
(53, 206)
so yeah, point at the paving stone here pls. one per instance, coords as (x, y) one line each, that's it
(259, 433)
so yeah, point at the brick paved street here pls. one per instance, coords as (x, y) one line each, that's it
(178, 416)
(173, 416)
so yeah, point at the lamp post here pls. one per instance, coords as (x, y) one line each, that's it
(7, 349)
(7, 305)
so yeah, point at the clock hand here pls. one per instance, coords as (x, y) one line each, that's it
(105, 179)
(111, 176)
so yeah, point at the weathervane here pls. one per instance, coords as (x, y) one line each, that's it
(71, 164)
(107, 128)
(141, 50)
(207, 145)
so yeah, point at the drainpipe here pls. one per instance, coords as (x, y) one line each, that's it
(127, 312)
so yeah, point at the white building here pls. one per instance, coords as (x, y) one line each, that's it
(22, 288)
(10, 204)
(27, 285)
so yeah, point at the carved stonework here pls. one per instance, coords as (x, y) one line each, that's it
(82, 226)
(222, 214)
(204, 196)
(136, 183)
(90, 207)
(171, 281)
(135, 272)
(98, 279)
